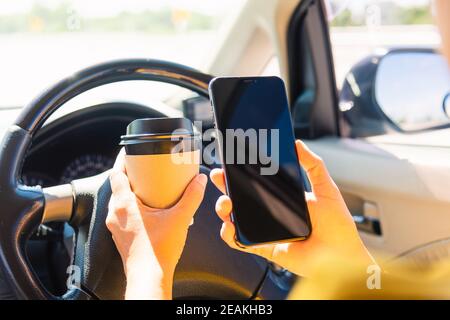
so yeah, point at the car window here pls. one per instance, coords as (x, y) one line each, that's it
(45, 40)
(359, 28)
(388, 67)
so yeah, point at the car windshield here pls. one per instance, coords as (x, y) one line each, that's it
(45, 40)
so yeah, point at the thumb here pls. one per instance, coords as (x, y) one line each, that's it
(322, 184)
(192, 197)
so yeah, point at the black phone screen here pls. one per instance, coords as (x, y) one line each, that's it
(257, 147)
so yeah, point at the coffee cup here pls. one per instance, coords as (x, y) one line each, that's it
(162, 157)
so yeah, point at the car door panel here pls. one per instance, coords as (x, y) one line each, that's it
(406, 186)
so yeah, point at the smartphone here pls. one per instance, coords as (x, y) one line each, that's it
(257, 150)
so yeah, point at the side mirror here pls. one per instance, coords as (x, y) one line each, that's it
(446, 105)
(402, 90)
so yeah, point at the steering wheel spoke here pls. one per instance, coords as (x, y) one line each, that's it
(59, 202)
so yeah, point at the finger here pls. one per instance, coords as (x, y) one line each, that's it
(224, 207)
(312, 163)
(192, 197)
(308, 159)
(228, 233)
(109, 221)
(120, 186)
(119, 164)
(321, 182)
(110, 204)
(218, 178)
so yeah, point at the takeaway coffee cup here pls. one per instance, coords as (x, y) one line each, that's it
(162, 157)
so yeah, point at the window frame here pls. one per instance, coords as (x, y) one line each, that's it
(312, 83)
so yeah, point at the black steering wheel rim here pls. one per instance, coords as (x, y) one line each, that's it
(25, 204)
(34, 114)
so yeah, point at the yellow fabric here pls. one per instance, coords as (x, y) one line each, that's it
(346, 279)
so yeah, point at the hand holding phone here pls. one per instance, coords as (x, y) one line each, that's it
(334, 232)
(256, 146)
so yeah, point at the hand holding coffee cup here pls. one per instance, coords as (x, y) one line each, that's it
(150, 241)
(162, 157)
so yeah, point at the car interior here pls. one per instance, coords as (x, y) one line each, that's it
(58, 147)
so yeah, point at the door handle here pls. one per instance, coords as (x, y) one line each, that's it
(366, 214)
(369, 220)
(367, 224)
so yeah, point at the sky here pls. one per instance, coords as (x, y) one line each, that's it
(110, 7)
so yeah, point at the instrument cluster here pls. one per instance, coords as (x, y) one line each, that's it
(82, 166)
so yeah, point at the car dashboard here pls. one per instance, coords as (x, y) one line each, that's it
(80, 144)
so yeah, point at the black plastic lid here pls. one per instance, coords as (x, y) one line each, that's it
(157, 128)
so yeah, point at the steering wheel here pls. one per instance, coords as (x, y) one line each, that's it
(207, 269)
